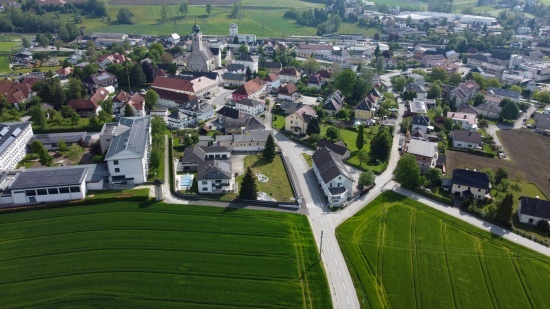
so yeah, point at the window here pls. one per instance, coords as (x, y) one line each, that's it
(117, 170)
(458, 187)
(331, 184)
(204, 182)
(204, 189)
(30, 192)
(75, 189)
(64, 190)
(53, 191)
(478, 190)
(42, 192)
(115, 162)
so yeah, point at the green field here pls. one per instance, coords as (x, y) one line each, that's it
(154, 255)
(403, 254)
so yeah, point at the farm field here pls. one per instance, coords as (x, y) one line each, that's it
(155, 255)
(402, 254)
(528, 153)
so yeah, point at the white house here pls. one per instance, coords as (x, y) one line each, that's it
(14, 137)
(467, 183)
(424, 152)
(421, 122)
(532, 210)
(174, 38)
(179, 120)
(289, 75)
(249, 61)
(215, 177)
(333, 176)
(466, 139)
(129, 147)
(250, 107)
(466, 120)
(137, 104)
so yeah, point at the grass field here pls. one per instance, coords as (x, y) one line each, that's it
(154, 255)
(402, 254)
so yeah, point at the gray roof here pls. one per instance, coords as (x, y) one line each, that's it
(52, 138)
(504, 93)
(487, 107)
(249, 102)
(131, 143)
(415, 88)
(234, 76)
(235, 67)
(338, 147)
(422, 148)
(542, 121)
(471, 179)
(194, 154)
(467, 136)
(51, 177)
(253, 136)
(214, 170)
(535, 207)
(420, 120)
(329, 165)
(334, 101)
(249, 124)
(9, 131)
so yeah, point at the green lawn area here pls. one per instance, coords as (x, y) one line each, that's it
(403, 254)
(156, 255)
(349, 137)
(117, 194)
(4, 64)
(278, 121)
(308, 158)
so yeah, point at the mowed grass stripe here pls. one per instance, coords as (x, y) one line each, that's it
(454, 260)
(166, 255)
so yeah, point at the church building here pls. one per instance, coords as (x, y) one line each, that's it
(201, 58)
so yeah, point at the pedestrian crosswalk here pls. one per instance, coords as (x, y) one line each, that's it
(311, 205)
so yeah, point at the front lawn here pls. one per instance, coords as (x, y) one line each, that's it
(278, 185)
(308, 158)
(278, 120)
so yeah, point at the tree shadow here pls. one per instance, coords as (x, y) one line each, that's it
(309, 268)
(147, 203)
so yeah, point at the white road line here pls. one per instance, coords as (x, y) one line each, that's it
(344, 286)
(331, 250)
(340, 273)
(347, 299)
(336, 261)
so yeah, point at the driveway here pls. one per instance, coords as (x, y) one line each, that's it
(237, 163)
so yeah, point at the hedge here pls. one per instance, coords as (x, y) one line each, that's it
(430, 195)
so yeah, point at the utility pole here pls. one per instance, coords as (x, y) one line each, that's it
(321, 245)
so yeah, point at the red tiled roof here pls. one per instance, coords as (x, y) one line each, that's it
(289, 72)
(177, 97)
(173, 84)
(15, 92)
(288, 89)
(82, 104)
(248, 88)
(122, 97)
(100, 95)
(271, 77)
(137, 101)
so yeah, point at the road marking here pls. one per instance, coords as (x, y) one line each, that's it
(344, 286)
(331, 250)
(340, 273)
(347, 299)
(336, 261)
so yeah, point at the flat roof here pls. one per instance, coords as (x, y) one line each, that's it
(51, 177)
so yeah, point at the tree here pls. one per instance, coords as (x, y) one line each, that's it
(25, 42)
(345, 82)
(37, 146)
(62, 145)
(433, 177)
(125, 16)
(434, 92)
(208, 9)
(381, 146)
(360, 141)
(75, 152)
(269, 151)
(311, 64)
(543, 226)
(455, 79)
(107, 106)
(510, 111)
(332, 133)
(137, 75)
(505, 210)
(398, 83)
(439, 74)
(249, 191)
(184, 6)
(516, 88)
(502, 173)
(151, 99)
(479, 99)
(366, 179)
(407, 172)
(379, 64)
(236, 10)
(362, 155)
(45, 158)
(128, 111)
(75, 119)
(76, 89)
(313, 126)
(42, 40)
(248, 73)
(38, 116)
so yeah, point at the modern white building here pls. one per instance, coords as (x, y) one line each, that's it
(128, 150)
(233, 29)
(14, 137)
(466, 120)
(215, 177)
(333, 176)
(250, 107)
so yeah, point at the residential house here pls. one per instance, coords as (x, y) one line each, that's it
(242, 125)
(249, 61)
(137, 104)
(174, 38)
(466, 139)
(422, 123)
(452, 56)
(200, 109)
(272, 82)
(120, 99)
(14, 136)
(339, 55)
(316, 81)
(532, 210)
(288, 92)
(297, 122)
(420, 91)
(179, 120)
(338, 147)
(466, 120)
(64, 72)
(96, 81)
(233, 79)
(236, 68)
(471, 184)
(250, 90)
(333, 176)
(215, 177)
(450, 68)
(227, 112)
(334, 102)
(273, 67)
(249, 141)
(16, 93)
(193, 156)
(418, 79)
(250, 107)
(129, 148)
(465, 92)
(424, 152)
(430, 61)
(107, 59)
(390, 63)
(542, 123)
(160, 112)
(89, 107)
(504, 93)
(289, 75)
(363, 110)
(23, 57)
(488, 109)
(317, 50)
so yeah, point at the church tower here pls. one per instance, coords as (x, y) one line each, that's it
(197, 37)
(201, 58)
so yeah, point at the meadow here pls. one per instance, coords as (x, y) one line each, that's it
(403, 254)
(154, 255)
